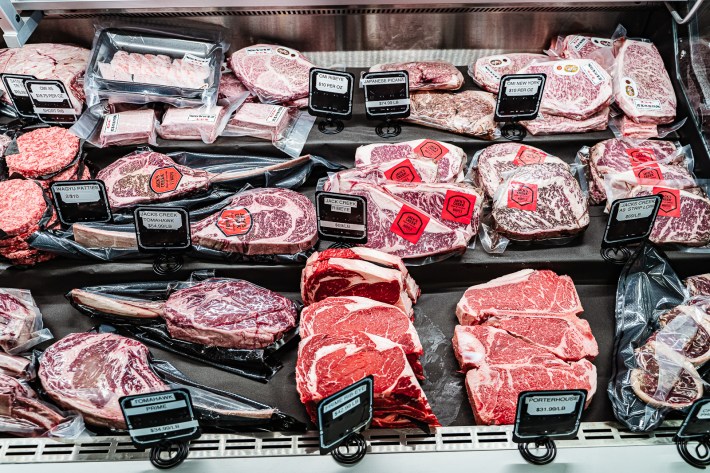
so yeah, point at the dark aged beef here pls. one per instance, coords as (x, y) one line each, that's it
(260, 222)
(524, 293)
(329, 363)
(274, 73)
(575, 88)
(426, 75)
(488, 70)
(642, 86)
(468, 113)
(540, 201)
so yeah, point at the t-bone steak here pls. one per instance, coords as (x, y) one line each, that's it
(329, 363)
(352, 313)
(527, 292)
(470, 112)
(89, 372)
(450, 159)
(698, 285)
(575, 88)
(642, 86)
(260, 222)
(426, 75)
(488, 70)
(497, 160)
(538, 202)
(275, 74)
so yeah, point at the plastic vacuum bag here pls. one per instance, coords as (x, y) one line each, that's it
(144, 301)
(21, 326)
(101, 127)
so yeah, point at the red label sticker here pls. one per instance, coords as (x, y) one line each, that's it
(409, 224)
(458, 207)
(670, 205)
(431, 149)
(640, 156)
(234, 222)
(165, 180)
(649, 173)
(403, 171)
(528, 155)
(522, 196)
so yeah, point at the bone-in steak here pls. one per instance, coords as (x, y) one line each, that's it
(20, 411)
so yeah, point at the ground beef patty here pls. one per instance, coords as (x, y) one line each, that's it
(22, 206)
(43, 151)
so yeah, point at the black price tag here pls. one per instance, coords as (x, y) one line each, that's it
(697, 422)
(164, 417)
(344, 413)
(548, 414)
(341, 217)
(519, 97)
(162, 228)
(81, 201)
(15, 87)
(50, 101)
(386, 94)
(330, 94)
(631, 220)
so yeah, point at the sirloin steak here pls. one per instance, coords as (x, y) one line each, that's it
(329, 363)
(526, 293)
(260, 222)
(426, 75)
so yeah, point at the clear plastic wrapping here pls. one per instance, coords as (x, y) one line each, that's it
(469, 112)
(426, 75)
(102, 128)
(21, 326)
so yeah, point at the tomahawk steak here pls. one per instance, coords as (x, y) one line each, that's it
(426, 75)
(527, 292)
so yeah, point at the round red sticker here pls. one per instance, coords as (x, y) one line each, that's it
(165, 180)
(234, 222)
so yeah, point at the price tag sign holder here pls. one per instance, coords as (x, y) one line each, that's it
(630, 222)
(81, 201)
(342, 218)
(543, 416)
(165, 232)
(15, 86)
(50, 101)
(164, 422)
(519, 98)
(330, 96)
(341, 417)
(695, 428)
(387, 98)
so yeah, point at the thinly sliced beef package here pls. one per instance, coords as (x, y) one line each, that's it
(89, 372)
(231, 324)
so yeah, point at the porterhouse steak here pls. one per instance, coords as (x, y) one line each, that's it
(426, 75)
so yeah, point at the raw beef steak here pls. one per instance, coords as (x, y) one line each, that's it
(493, 391)
(404, 170)
(468, 113)
(497, 160)
(264, 121)
(132, 127)
(450, 159)
(329, 363)
(527, 292)
(273, 73)
(48, 61)
(686, 330)
(18, 320)
(488, 70)
(395, 227)
(546, 124)
(538, 202)
(631, 129)
(575, 88)
(360, 314)
(21, 413)
(231, 88)
(89, 372)
(426, 75)
(642, 87)
(619, 185)
(14, 366)
(698, 285)
(149, 177)
(577, 46)
(458, 206)
(260, 222)
(684, 216)
(229, 313)
(329, 276)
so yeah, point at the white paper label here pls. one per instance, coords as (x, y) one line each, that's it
(276, 115)
(158, 220)
(384, 80)
(340, 205)
(386, 103)
(565, 68)
(54, 111)
(342, 400)
(593, 73)
(704, 412)
(647, 105)
(491, 72)
(79, 193)
(202, 117)
(521, 87)
(343, 226)
(259, 51)
(153, 399)
(17, 87)
(196, 60)
(635, 210)
(47, 93)
(331, 83)
(578, 43)
(111, 124)
(602, 42)
(551, 405)
(498, 61)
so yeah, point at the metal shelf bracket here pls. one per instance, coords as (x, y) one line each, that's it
(678, 19)
(17, 28)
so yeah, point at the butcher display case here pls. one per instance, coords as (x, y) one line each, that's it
(353, 36)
